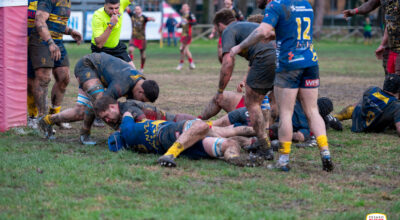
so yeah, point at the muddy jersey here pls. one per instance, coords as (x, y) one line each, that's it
(142, 136)
(392, 20)
(370, 110)
(138, 26)
(116, 75)
(187, 25)
(141, 110)
(236, 32)
(59, 12)
(32, 6)
(293, 22)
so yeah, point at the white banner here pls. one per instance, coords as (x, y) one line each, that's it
(75, 22)
(88, 27)
(8, 3)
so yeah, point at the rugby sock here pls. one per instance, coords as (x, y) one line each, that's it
(190, 60)
(142, 64)
(322, 142)
(181, 61)
(283, 159)
(48, 120)
(54, 110)
(175, 149)
(32, 109)
(345, 114)
(285, 147)
(210, 123)
(131, 56)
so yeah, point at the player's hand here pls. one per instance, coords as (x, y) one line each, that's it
(54, 51)
(240, 86)
(77, 36)
(127, 114)
(114, 19)
(211, 36)
(379, 52)
(349, 13)
(235, 50)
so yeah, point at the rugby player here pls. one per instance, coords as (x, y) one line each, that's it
(172, 139)
(138, 38)
(47, 23)
(297, 71)
(378, 109)
(106, 28)
(261, 71)
(95, 72)
(111, 111)
(389, 48)
(188, 20)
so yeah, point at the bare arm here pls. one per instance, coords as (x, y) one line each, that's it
(74, 34)
(379, 51)
(264, 32)
(102, 39)
(226, 71)
(43, 30)
(363, 9)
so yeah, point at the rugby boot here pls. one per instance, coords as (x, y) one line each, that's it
(327, 164)
(262, 148)
(192, 66)
(32, 123)
(167, 160)
(311, 142)
(179, 67)
(275, 145)
(98, 123)
(85, 139)
(279, 166)
(333, 122)
(45, 128)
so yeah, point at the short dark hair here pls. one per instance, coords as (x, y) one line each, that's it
(224, 16)
(103, 103)
(111, 1)
(151, 90)
(325, 106)
(392, 83)
(257, 18)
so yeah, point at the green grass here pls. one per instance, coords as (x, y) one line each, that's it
(64, 180)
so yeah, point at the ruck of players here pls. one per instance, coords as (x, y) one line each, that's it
(275, 109)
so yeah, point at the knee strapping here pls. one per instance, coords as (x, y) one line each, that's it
(217, 147)
(189, 124)
(95, 89)
(84, 100)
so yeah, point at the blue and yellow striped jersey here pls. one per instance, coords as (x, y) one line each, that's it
(32, 6)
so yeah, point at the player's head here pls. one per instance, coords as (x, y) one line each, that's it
(146, 91)
(116, 142)
(392, 83)
(138, 10)
(111, 7)
(222, 19)
(257, 18)
(325, 106)
(261, 4)
(185, 8)
(107, 109)
(228, 4)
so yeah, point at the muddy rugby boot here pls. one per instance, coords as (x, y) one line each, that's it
(327, 164)
(167, 161)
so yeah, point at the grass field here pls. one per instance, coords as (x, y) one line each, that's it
(64, 180)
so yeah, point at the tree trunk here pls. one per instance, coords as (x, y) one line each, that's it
(211, 11)
(319, 7)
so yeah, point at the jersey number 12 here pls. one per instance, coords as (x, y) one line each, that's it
(306, 32)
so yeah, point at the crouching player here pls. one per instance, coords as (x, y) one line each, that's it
(378, 109)
(173, 139)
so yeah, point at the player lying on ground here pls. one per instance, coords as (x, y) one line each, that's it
(174, 138)
(111, 111)
(379, 108)
(95, 72)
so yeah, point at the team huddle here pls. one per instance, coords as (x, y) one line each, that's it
(280, 104)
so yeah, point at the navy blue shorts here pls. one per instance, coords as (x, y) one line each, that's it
(239, 117)
(300, 78)
(31, 71)
(168, 134)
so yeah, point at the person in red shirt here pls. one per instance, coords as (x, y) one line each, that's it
(138, 38)
(188, 20)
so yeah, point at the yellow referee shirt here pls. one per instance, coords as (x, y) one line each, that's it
(99, 24)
